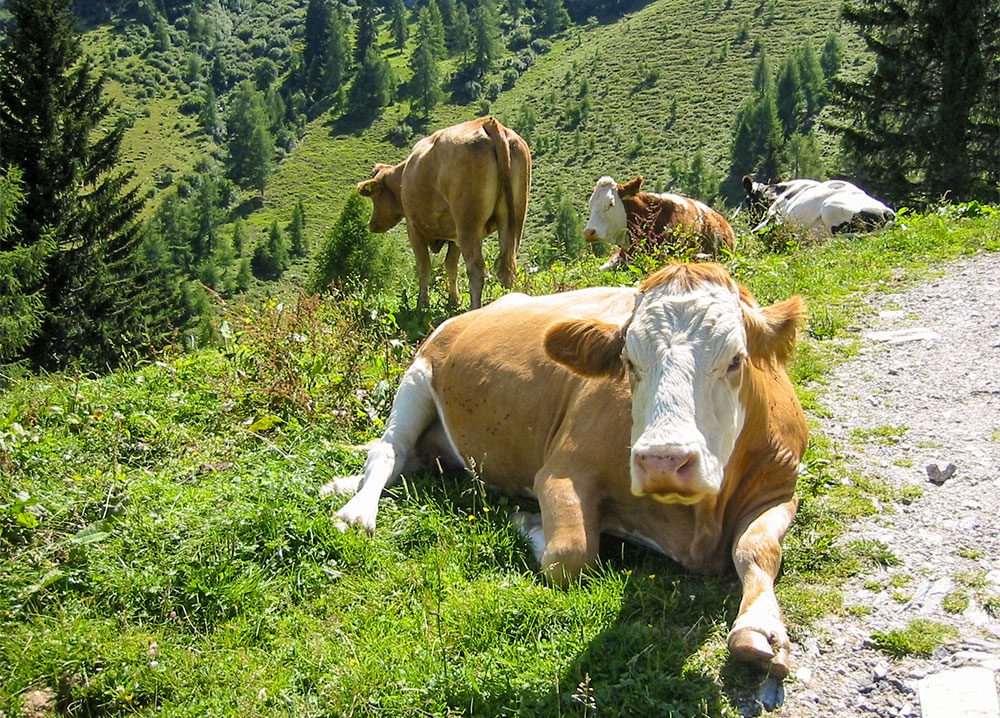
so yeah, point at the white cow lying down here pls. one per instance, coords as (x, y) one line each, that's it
(662, 414)
(828, 208)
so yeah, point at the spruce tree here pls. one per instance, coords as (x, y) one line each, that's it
(21, 269)
(812, 81)
(95, 289)
(337, 62)
(789, 97)
(367, 32)
(425, 85)
(373, 86)
(485, 37)
(251, 144)
(924, 122)
(317, 23)
(298, 242)
(552, 16)
(830, 56)
(397, 23)
(435, 32)
(459, 33)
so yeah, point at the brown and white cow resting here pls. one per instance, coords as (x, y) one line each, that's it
(456, 186)
(650, 222)
(661, 414)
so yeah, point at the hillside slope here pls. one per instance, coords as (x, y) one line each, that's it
(691, 49)
(621, 98)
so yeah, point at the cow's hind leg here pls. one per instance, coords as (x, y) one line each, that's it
(472, 252)
(451, 272)
(413, 410)
(758, 635)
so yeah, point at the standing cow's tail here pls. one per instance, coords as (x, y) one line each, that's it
(515, 206)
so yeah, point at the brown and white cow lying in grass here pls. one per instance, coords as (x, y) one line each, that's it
(648, 222)
(457, 185)
(662, 414)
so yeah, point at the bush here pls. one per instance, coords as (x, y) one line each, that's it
(353, 259)
(540, 46)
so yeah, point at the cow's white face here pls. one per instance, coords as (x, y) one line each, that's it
(686, 349)
(686, 352)
(607, 215)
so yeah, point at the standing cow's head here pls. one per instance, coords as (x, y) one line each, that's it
(387, 209)
(607, 221)
(686, 349)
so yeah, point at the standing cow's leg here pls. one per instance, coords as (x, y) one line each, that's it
(506, 266)
(759, 634)
(422, 254)
(472, 252)
(570, 525)
(413, 410)
(451, 271)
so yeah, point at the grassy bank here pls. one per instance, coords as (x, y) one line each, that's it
(164, 550)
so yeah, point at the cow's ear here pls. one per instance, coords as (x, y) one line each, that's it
(772, 332)
(630, 188)
(588, 347)
(369, 187)
(748, 183)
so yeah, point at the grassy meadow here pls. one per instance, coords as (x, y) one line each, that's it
(164, 549)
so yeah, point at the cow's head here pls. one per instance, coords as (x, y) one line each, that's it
(686, 350)
(387, 210)
(760, 197)
(607, 221)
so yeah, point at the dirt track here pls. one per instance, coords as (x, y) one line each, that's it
(924, 390)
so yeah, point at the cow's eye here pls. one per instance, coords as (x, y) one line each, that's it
(736, 363)
(611, 203)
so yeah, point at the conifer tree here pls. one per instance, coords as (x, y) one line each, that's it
(397, 23)
(790, 99)
(373, 87)
(811, 80)
(762, 76)
(459, 33)
(96, 289)
(552, 16)
(425, 85)
(298, 242)
(364, 40)
(208, 117)
(485, 37)
(924, 120)
(830, 56)
(352, 258)
(436, 33)
(251, 144)
(317, 23)
(337, 63)
(21, 269)
(239, 237)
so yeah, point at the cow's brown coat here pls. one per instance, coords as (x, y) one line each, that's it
(456, 186)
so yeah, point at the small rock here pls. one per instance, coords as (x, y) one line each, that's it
(804, 674)
(880, 672)
(938, 475)
(771, 694)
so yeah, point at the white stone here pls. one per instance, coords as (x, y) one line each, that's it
(901, 336)
(969, 692)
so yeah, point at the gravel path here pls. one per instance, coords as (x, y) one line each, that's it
(930, 368)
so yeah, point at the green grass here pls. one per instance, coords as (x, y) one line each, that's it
(920, 638)
(165, 550)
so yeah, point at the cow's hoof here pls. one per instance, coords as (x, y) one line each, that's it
(752, 646)
(358, 515)
(343, 486)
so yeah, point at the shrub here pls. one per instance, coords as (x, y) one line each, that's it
(354, 260)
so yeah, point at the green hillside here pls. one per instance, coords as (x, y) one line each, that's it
(661, 82)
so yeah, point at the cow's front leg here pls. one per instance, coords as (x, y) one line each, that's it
(422, 254)
(758, 635)
(570, 524)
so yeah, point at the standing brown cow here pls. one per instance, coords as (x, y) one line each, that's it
(458, 185)
(620, 213)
